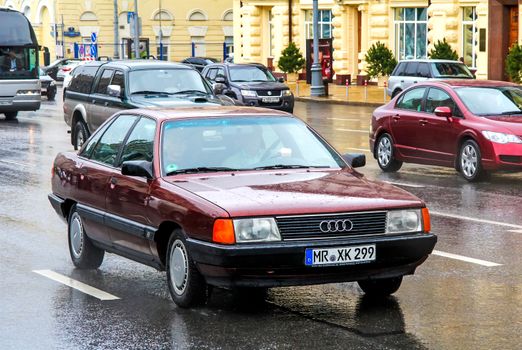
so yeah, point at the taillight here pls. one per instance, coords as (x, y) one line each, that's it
(66, 69)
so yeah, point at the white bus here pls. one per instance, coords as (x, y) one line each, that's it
(19, 83)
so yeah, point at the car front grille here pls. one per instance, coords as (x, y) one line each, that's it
(511, 159)
(276, 93)
(309, 226)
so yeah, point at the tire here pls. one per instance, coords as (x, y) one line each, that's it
(469, 161)
(10, 115)
(186, 285)
(84, 254)
(384, 154)
(81, 134)
(51, 95)
(396, 92)
(380, 287)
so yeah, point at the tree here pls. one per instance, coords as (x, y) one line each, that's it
(380, 60)
(291, 60)
(442, 50)
(514, 63)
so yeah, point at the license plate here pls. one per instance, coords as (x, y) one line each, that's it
(270, 99)
(4, 103)
(340, 255)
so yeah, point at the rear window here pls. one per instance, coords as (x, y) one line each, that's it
(82, 80)
(451, 70)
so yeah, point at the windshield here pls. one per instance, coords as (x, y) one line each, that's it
(451, 70)
(250, 73)
(491, 100)
(168, 81)
(242, 143)
(18, 63)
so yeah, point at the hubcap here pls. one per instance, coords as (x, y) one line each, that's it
(178, 267)
(76, 235)
(384, 151)
(469, 161)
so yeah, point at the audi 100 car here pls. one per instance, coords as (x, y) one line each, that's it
(234, 197)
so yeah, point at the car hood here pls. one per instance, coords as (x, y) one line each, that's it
(512, 123)
(294, 192)
(261, 86)
(171, 101)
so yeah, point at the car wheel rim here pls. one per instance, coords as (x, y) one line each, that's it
(384, 151)
(178, 267)
(469, 161)
(76, 235)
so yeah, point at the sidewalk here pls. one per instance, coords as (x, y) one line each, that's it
(357, 95)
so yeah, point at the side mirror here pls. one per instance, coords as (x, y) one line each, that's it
(444, 112)
(218, 88)
(140, 168)
(281, 80)
(220, 80)
(356, 160)
(114, 90)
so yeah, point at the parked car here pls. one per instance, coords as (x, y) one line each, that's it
(410, 72)
(98, 89)
(199, 62)
(53, 68)
(234, 197)
(66, 69)
(472, 125)
(251, 85)
(69, 74)
(48, 85)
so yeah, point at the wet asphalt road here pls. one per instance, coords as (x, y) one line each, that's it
(450, 303)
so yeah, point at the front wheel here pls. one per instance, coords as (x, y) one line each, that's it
(470, 164)
(380, 287)
(186, 285)
(84, 254)
(385, 156)
(81, 134)
(10, 115)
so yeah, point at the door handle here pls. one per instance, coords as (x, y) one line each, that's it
(106, 104)
(402, 81)
(114, 180)
(423, 122)
(93, 102)
(415, 82)
(396, 118)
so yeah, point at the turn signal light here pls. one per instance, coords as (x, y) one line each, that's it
(426, 220)
(223, 232)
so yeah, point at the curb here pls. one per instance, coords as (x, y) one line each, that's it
(337, 102)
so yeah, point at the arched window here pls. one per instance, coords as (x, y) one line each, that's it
(162, 15)
(197, 15)
(228, 16)
(27, 11)
(88, 16)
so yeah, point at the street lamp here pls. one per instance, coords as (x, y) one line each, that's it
(136, 31)
(317, 88)
(116, 53)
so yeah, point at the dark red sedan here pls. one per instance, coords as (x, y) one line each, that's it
(474, 126)
(234, 197)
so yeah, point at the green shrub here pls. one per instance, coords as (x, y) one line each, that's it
(443, 51)
(291, 60)
(514, 63)
(380, 60)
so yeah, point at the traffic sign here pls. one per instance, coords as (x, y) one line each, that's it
(93, 37)
(94, 50)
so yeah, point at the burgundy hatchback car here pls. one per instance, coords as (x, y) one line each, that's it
(235, 197)
(472, 125)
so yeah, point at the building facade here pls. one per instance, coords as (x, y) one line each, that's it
(181, 29)
(481, 31)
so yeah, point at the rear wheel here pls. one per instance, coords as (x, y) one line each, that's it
(84, 254)
(470, 164)
(10, 115)
(380, 287)
(384, 154)
(396, 92)
(81, 134)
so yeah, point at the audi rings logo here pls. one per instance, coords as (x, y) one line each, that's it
(336, 226)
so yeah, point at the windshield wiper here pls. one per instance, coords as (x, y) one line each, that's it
(511, 112)
(150, 92)
(289, 166)
(190, 92)
(202, 169)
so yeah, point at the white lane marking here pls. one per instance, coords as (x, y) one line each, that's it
(16, 163)
(347, 119)
(82, 287)
(353, 130)
(515, 231)
(403, 184)
(491, 222)
(465, 258)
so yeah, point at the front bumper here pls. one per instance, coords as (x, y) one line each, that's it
(285, 103)
(282, 263)
(502, 156)
(20, 103)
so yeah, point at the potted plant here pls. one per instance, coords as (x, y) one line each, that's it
(514, 63)
(442, 51)
(380, 62)
(291, 62)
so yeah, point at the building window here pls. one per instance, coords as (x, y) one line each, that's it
(411, 29)
(325, 24)
(162, 54)
(198, 46)
(469, 36)
(228, 16)
(162, 16)
(88, 16)
(229, 45)
(197, 15)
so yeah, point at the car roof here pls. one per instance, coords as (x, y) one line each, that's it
(162, 114)
(431, 61)
(139, 64)
(471, 83)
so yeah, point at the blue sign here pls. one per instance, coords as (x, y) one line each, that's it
(130, 16)
(94, 50)
(93, 37)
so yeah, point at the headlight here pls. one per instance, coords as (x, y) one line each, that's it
(499, 137)
(403, 221)
(248, 93)
(287, 93)
(256, 230)
(28, 92)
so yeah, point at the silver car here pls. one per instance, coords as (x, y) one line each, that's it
(409, 72)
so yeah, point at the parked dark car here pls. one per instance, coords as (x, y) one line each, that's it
(235, 197)
(250, 84)
(199, 62)
(48, 85)
(98, 89)
(474, 126)
(54, 67)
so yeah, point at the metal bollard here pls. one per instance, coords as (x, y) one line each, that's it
(297, 88)
(366, 90)
(347, 86)
(385, 86)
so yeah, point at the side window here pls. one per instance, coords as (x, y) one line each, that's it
(75, 81)
(119, 79)
(411, 69)
(211, 74)
(104, 81)
(82, 82)
(110, 143)
(438, 98)
(221, 72)
(412, 100)
(89, 146)
(399, 69)
(403, 69)
(140, 144)
(423, 70)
